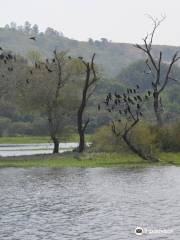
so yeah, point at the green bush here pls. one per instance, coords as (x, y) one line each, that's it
(168, 137)
(4, 125)
(105, 141)
(142, 137)
(20, 128)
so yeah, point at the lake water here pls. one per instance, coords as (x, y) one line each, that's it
(33, 149)
(89, 204)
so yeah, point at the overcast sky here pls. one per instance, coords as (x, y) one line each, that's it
(116, 20)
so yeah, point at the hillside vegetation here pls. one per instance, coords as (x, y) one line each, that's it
(113, 57)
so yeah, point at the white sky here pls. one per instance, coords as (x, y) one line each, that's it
(116, 20)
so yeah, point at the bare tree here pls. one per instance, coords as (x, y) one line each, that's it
(154, 66)
(126, 111)
(89, 86)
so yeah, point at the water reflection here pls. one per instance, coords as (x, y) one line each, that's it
(88, 203)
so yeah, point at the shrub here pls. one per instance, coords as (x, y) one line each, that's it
(168, 137)
(142, 137)
(20, 128)
(4, 125)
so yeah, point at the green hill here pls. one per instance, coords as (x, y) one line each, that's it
(113, 57)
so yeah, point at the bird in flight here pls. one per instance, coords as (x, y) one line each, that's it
(33, 38)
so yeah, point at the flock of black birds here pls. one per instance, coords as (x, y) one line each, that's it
(7, 59)
(127, 104)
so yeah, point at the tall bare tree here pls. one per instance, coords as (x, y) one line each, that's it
(154, 65)
(89, 85)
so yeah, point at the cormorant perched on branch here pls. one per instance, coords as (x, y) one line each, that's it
(139, 98)
(33, 38)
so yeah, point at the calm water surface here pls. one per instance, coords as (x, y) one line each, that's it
(84, 204)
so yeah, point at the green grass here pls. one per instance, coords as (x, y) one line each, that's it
(39, 139)
(87, 160)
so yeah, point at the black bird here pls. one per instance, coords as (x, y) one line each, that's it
(129, 99)
(110, 96)
(10, 56)
(33, 38)
(139, 98)
(10, 69)
(116, 102)
(149, 93)
(116, 95)
(31, 72)
(53, 60)
(137, 86)
(99, 107)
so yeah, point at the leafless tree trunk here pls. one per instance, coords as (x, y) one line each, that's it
(88, 88)
(154, 65)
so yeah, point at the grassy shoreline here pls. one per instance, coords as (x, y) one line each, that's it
(86, 160)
